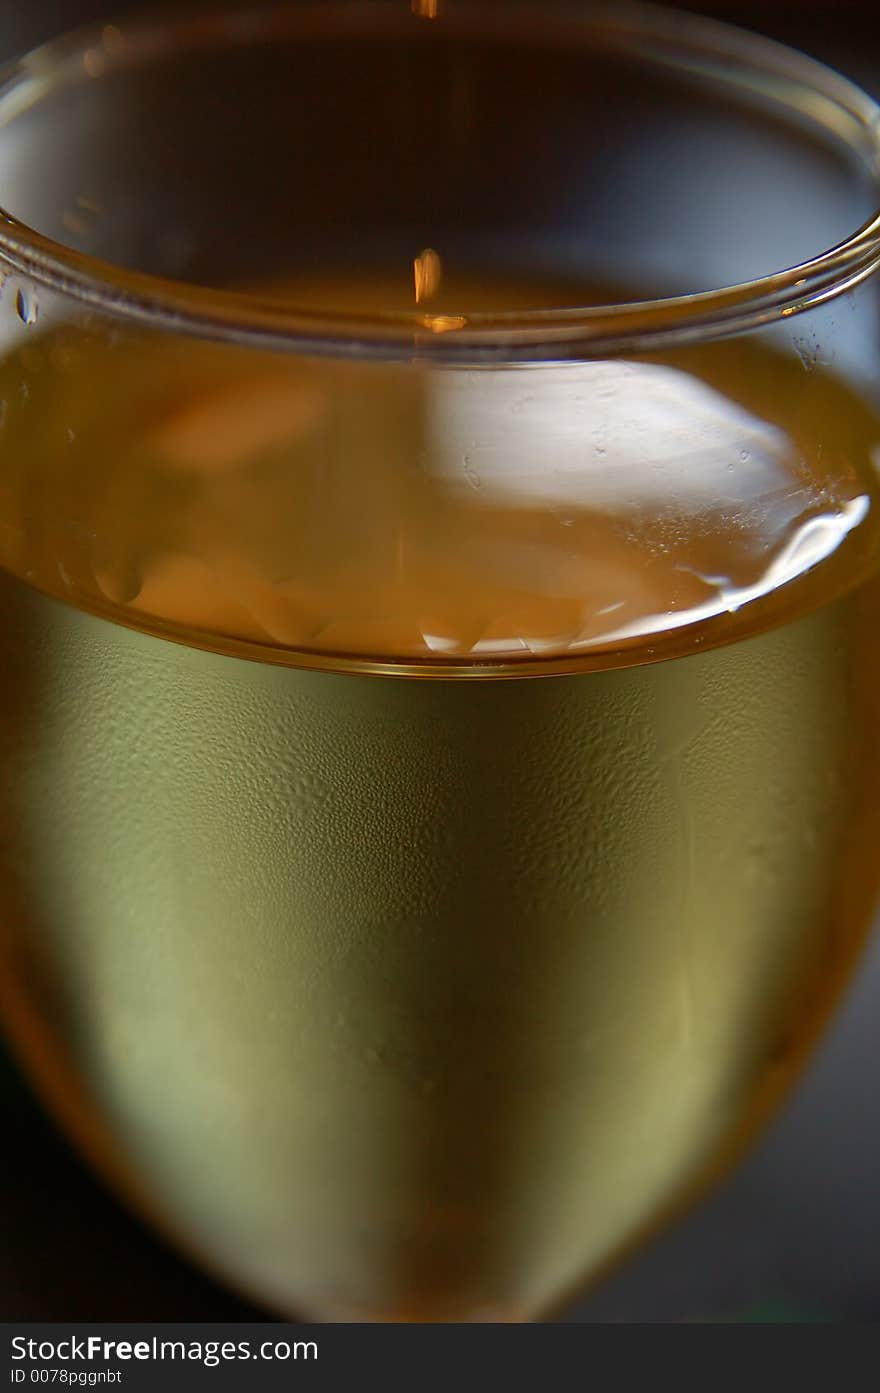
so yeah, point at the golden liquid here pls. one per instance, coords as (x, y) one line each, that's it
(423, 999)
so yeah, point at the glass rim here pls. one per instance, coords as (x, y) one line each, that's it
(741, 60)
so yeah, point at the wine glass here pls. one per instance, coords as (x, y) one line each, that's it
(439, 545)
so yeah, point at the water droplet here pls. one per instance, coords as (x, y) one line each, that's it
(745, 456)
(71, 435)
(443, 323)
(471, 474)
(24, 391)
(26, 308)
(427, 274)
(311, 792)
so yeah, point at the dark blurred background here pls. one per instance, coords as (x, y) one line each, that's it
(793, 1237)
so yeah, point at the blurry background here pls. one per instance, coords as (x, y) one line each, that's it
(794, 1236)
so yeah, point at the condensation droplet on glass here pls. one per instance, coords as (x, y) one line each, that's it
(26, 308)
(71, 435)
(443, 323)
(427, 275)
(745, 456)
(807, 353)
(471, 474)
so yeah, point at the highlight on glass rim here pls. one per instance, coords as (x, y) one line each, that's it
(439, 598)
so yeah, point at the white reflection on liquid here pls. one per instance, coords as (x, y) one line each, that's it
(699, 506)
(814, 542)
(601, 435)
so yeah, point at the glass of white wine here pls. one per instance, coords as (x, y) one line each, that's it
(440, 715)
